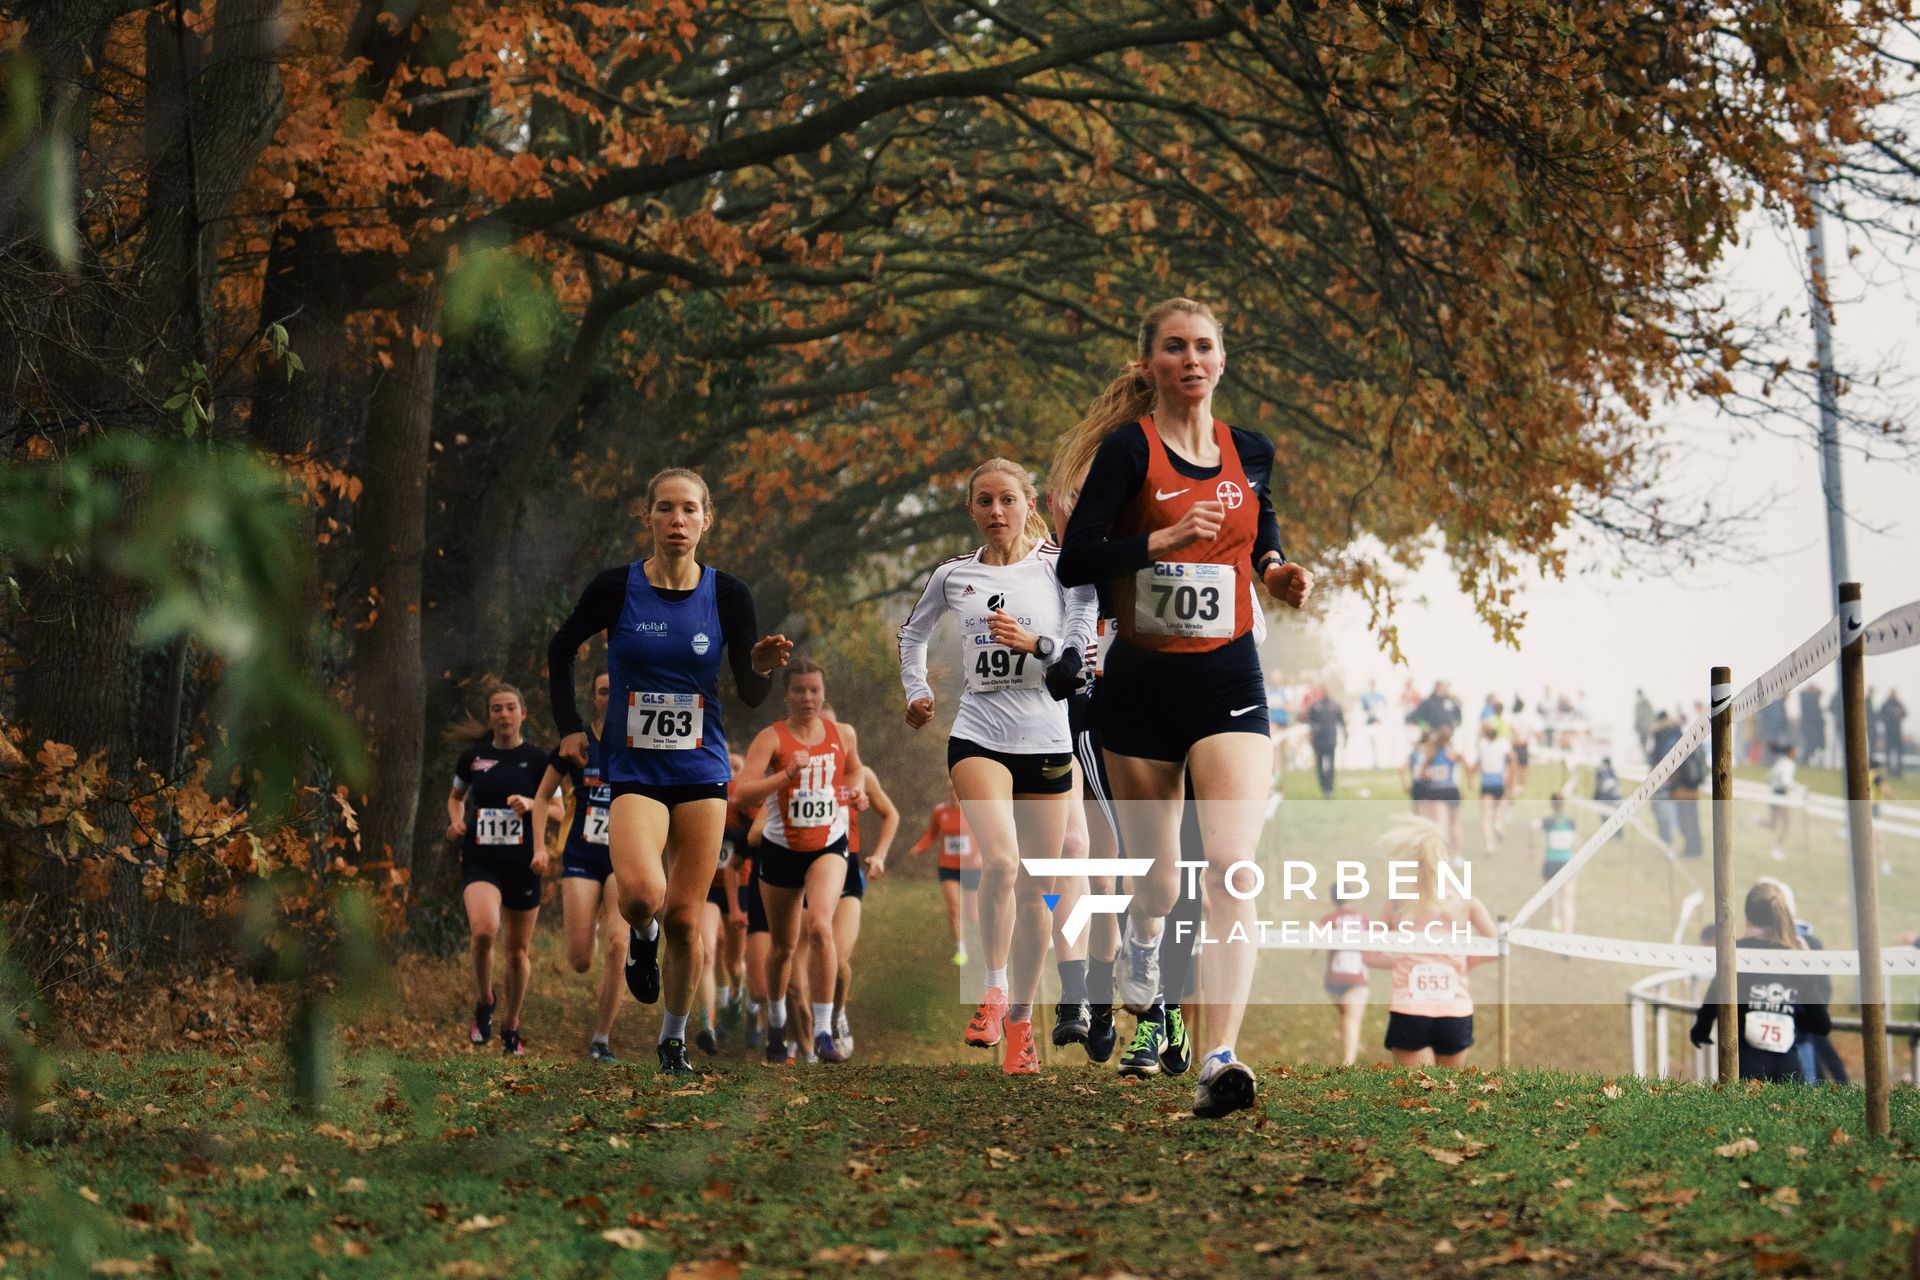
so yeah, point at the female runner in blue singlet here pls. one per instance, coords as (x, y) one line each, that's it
(668, 620)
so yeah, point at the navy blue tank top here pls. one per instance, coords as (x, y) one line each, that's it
(664, 725)
(587, 834)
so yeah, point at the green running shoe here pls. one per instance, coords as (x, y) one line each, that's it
(1177, 1055)
(1142, 1057)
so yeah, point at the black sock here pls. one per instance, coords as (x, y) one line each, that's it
(1073, 981)
(1100, 983)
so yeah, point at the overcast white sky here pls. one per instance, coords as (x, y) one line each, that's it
(1610, 636)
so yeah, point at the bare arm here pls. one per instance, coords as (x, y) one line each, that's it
(756, 784)
(889, 824)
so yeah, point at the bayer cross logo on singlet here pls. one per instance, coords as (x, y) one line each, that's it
(1230, 494)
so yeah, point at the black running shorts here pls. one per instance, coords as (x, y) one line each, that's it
(1038, 774)
(1155, 706)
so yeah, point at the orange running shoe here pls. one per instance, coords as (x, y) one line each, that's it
(1021, 1059)
(984, 1031)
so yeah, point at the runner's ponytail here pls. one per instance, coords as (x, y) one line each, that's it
(1126, 399)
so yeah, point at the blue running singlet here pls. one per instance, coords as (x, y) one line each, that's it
(664, 722)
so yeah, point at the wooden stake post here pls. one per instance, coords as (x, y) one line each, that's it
(1720, 702)
(1866, 883)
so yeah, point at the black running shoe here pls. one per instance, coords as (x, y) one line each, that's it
(1102, 1035)
(673, 1058)
(1071, 1023)
(643, 966)
(777, 1048)
(1142, 1057)
(601, 1051)
(510, 1042)
(482, 1029)
(703, 1041)
(1177, 1055)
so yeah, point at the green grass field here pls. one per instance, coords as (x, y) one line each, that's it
(460, 1165)
(920, 1158)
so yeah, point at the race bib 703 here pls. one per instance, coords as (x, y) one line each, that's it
(1183, 598)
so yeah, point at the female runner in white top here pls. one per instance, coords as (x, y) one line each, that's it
(1022, 640)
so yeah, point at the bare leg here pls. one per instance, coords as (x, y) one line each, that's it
(613, 959)
(1226, 782)
(985, 789)
(516, 933)
(483, 925)
(846, 935)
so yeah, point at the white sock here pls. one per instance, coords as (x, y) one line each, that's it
(673, 1026)
(652, 930)
(753, 1008)
(776, 1014)
(601, 1040)
(725, 995)
(996, 978)
(822, 1017)
(1222, 1054)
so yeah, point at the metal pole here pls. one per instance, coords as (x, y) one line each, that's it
(1662, 1043)
(1720, 703)
(1637, 1034)
(1866, 883)
(1506, 991)
(1821, 298)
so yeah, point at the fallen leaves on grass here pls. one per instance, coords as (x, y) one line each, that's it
(1610, 1091)
(480, 1222)
(852, 1253)
(1736, 1149)
(705, 1269)
(1517, 1251)
(126, 1266)
(1052, 1258)
(625, 1237)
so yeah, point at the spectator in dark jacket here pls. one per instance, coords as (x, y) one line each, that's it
(1893, 742)
(1813, 726)
(1438, 710)
(1326, 725)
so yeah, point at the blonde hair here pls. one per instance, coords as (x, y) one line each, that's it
(1421, 842)
(681, 473)
(499, 689)
(1035, 531)
(1126, 399)
(1769, 911)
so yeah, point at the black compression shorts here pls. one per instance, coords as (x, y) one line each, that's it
(1155, 706)
(1043, 774)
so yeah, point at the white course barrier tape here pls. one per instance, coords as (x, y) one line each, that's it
(1891, 632)
(1895, 630)
(1792, 671)
(1690, 740)
(1894, 962)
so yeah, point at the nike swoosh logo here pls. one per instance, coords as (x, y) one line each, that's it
(1162, 497)
(1242, 711)
(1050, 771)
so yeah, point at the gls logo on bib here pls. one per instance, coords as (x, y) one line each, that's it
(701, 643)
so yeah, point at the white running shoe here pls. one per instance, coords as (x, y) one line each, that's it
(842, 1035)
(1137, 976)
(1226, 1085)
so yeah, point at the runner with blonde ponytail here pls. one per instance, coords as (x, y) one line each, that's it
(1023, 637)
(1174, 519)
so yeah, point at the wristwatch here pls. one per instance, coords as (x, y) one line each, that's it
(1043, 648)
